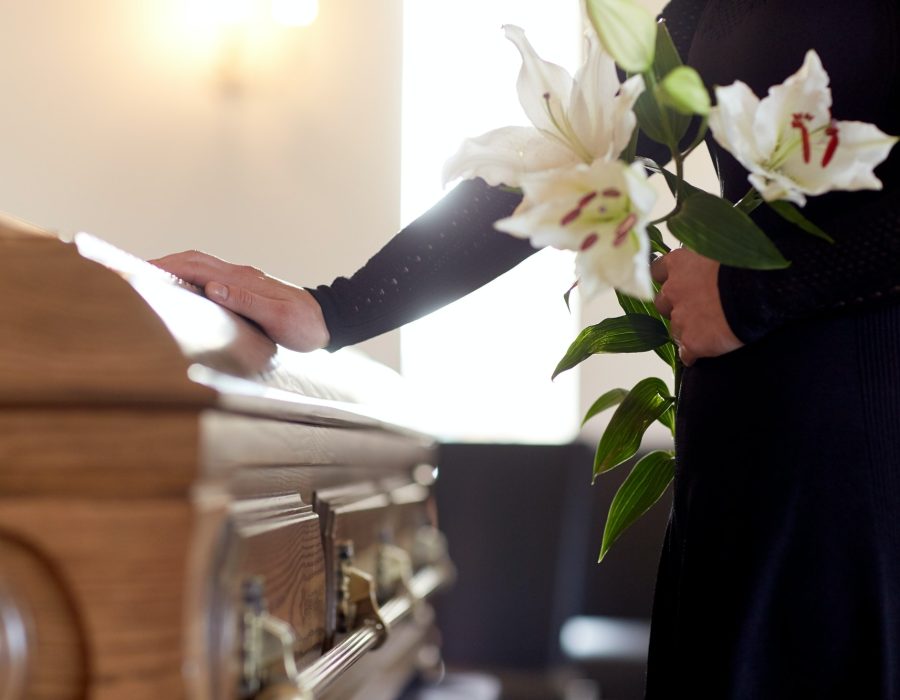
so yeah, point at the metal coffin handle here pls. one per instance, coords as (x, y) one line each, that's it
(287, 683)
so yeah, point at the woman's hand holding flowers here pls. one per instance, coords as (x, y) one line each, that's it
(689, 298)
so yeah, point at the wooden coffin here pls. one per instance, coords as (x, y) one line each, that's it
(189, 511)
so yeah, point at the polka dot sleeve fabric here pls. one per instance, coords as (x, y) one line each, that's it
(443, 255)
(859, 270)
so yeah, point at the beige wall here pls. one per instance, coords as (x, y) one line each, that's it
(115, 120)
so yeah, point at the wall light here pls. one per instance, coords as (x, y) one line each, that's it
(232, 13)
(219, 13)
(295, 13)
(242, 36)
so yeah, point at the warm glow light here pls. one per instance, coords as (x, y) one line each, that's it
(205, 13)
(295, 13)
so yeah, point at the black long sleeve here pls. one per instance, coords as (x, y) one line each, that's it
(443, 255)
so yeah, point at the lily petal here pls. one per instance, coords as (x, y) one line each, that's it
(503, 155)
(642, 193)
(772, 186)
(625, 267)
(622, 116)
(544, 88)
(732, 122)
(862, 147)
(805, 92)
(596, 85)
(601, 212)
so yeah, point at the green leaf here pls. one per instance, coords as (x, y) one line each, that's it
(649, 117)
(645, 403)
(670, 177)
(647, 108)
(712, 227)
(671, 180)
(666, 58)
(567, 295)
(668, 419)
(611, 398)
(656, 240)
(787, 211)
(630, 305)
(630, 333)
(644, 486)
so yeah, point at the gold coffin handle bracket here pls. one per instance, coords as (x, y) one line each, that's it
(358, 590)
(357, 597)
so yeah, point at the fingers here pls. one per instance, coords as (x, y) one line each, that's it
(192, 266)
(663, 304)
(267, 312)
(201, 269)
(659, 272)
(659, 269)
(685, 350)
(295, 322)
(238, 299)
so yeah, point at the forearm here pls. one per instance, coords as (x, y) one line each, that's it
(443, 255)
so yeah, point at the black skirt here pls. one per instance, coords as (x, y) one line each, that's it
(780, 575)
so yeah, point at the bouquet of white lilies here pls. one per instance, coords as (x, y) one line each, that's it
(585, 189)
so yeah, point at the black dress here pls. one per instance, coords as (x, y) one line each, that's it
(780, 575)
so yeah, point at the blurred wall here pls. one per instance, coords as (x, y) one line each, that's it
(277, 148)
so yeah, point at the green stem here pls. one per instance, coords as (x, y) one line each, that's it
(749, 201)
(679, 370)
(698, 139)
(651, 83)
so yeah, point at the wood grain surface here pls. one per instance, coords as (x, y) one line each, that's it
(73, 332)
(137, 498)
(55, 663)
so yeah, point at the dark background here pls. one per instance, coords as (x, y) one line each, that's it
(524, 527)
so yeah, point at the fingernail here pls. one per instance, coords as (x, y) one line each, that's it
(217, 291)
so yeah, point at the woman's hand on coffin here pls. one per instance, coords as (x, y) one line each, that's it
(289, 314)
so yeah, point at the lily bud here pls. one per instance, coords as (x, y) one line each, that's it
(627, 32)
(683, 90)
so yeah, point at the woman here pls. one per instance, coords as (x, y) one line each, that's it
(780, 575)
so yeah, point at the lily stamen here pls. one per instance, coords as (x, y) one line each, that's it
(589, 241)
(833, 141)
(576, 212)
(570, 217)
(797, 123)
(623, 229)
(566, 132)
(586, 199)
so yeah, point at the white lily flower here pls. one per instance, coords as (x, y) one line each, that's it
(599, 210)
(789, 141)
(574, 121)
